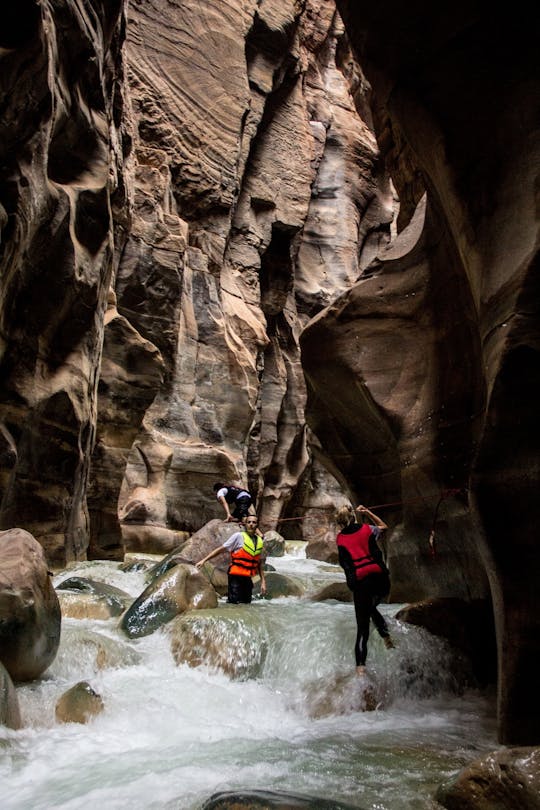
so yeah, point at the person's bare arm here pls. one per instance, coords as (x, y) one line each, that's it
(372, 516)
(225, 506)
(209, 556)
(263, 577)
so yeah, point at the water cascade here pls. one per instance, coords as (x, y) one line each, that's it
(282, 711)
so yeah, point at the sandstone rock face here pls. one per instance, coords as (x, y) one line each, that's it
(451, 407)
(207, 274)
(60, 154)
(29, 608)
(242, 229)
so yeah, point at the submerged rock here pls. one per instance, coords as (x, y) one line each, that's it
(336, 590)
(81, 646)
(82, 598)
(232, 639)
(279, 585)
(341, 695)
(79, 704)
(270, 799)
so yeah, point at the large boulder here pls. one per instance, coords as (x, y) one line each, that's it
(231, 639)
(466, 625)
(505, 780)
(270, 800)
(323, 547)
(179, 589)
(30, 615)
(82, 598)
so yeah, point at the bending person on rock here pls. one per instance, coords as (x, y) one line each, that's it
(246, 550)
(366, 573)
(239, 499)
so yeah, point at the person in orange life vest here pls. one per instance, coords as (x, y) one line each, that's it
(366, 573)
(246, 550)
(229, 496)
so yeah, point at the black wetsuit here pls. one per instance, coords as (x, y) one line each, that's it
(368, 591)
(241, 499)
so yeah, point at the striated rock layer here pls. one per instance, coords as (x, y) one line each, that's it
(207, 274)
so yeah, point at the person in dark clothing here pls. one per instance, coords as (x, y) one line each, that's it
(366, 573)
(230, 496)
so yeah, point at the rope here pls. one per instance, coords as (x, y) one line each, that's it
(442, 495)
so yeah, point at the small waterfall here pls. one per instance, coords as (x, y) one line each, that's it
(276, 706)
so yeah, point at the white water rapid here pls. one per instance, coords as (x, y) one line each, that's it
(170, 736)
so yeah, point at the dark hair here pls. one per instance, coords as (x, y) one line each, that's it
(217, 486)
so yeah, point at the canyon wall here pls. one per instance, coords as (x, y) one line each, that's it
(277, 245)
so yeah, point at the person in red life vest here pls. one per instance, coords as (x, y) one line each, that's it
(246, 550)
(239, 499)
(366, 573)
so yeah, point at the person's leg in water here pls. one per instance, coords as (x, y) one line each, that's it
(381, 589)
(362, 609)
(240, 589)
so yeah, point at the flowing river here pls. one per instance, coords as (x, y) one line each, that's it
(171, 735)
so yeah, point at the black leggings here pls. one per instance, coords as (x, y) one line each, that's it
(367, 594)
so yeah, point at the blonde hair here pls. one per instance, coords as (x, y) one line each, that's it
(344, 515)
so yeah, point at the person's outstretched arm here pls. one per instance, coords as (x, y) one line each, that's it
(209, 556)
(380, 524)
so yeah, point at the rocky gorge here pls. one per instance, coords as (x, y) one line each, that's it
(290, 245)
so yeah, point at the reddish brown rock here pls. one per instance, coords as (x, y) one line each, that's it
(29, 608)
(506, 779)
(79, 704)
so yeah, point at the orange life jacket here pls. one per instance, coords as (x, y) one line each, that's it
(357, 544)
(245, 561)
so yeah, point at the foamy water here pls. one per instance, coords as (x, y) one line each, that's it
(170, 736)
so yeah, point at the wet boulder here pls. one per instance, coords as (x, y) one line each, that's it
(231, 639)
(30, 616)
(80, 645)
(82, 598)
(466, 625)
(506, 780)
(335, 590)
(271, 800)
(279, 585)
(79, 704)
(179, 589)
(274, 544)
(323, 547)
(10, 714)
(341, 695)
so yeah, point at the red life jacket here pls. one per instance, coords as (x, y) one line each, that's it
(245, 561)
(357, 544)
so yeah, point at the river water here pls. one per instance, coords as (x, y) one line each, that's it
(170, 735)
